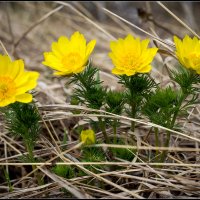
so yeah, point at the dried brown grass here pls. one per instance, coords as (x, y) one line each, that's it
(27, 30)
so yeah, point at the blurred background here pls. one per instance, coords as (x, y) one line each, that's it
(28, 29)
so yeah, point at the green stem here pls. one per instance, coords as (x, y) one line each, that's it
(133, 113)
(178, 109)
(30, 152)
(65, 137)
(8, 179)
(103, 129)
(164, 154)
(32, 159)
(132, 126)
(115, 130)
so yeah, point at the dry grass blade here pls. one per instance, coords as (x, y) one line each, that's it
(178, 19)
(66, 107)
(174, 149)
(128, 170)
(98, 190)
(133, 194)
(65, 184)
(4, 49)
(9, 24)
(15, 194)
(167, 45)
(36, 24)
(12, 147)
(89, 20)
(46, 191)
(48, 163)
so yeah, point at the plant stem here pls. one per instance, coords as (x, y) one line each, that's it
(184, 96)
(32, 159)
(103, 129)
(133, 112)
(31, 156)
(132, 126)
(115, 130)
(164, 154)
(65, 137)
(8, 180)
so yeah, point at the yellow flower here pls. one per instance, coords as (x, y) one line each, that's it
(188, 52)
(15, 82)
(88, 136)
(69, 56)
(131, 56)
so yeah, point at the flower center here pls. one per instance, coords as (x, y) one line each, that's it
(129, 60)
(72, 60)
(195, 57)
(7, 87)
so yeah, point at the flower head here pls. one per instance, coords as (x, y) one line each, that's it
(69, 56)
(87, 136)
(188, 52)
(15, 82)
(131, 56)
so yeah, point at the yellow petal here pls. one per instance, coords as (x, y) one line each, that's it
(130, 55)
(56, 50)
(117, 71)
(16, 69)
(113, 45)
(4, 64)
(52, 61)
(28, 81)
(7, 101)
(14, 81)
(78, 42)
(198, 70)
(144, 44)
(88, 137)
(90, 47)
(130, 72)
(63, 73)
(69, 56)
(24, 98)
(188, 51)
(129, 38)
(187, 63)
(79, 69)
(145, 69)
(63, 44)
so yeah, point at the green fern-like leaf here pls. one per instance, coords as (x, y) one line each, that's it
(115, 101)
(187, 79)
(161, 106)
(89, 90)
(23, 120)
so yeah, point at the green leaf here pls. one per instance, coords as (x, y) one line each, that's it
(187, 79)
(161, 106)
(23, 120)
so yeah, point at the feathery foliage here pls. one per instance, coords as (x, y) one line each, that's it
(89, 90)
(23, 120)
(161, 105)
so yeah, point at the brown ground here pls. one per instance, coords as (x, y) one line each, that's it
(16, 18)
